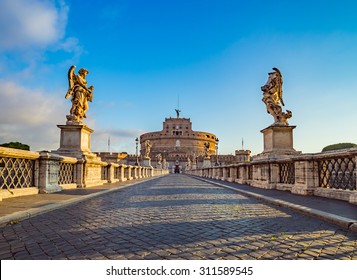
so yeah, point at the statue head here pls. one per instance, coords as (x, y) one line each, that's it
(83, 72)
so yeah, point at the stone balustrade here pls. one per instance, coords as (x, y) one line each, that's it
(27, 172)
(328, 174)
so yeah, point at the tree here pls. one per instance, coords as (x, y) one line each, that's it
(338, 146)
(16, 145)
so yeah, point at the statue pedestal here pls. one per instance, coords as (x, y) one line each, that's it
(147, 162)
(278, 142)
(75, 143)
(75, 139)
(206, 163)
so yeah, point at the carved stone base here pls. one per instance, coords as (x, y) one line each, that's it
(206, 163)
(278, 142)
(75, 140)
(146, 162)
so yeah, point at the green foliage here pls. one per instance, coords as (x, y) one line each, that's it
(338, 146)
(16, 145)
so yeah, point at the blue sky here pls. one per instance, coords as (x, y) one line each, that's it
(213, 55)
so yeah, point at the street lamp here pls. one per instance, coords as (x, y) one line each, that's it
(137, 156)
(217, 141)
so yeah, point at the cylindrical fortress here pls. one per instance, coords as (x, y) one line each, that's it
(177, 141)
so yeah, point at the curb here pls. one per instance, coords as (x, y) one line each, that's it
(343, 222)
(22, 215)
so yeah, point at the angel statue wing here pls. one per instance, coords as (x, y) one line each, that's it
(71, 81)
(279, 85)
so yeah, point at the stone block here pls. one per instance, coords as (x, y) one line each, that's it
(75, 139)
(278, 142)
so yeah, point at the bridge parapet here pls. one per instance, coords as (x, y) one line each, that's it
(27, 172)
(328, 174)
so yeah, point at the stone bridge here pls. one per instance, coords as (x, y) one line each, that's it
(174, 217)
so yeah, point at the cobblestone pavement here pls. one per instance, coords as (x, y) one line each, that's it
(175, 217)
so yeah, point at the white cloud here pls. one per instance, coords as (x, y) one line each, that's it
(121, 140)
(25, 23)
(27, 106)
(30, 116)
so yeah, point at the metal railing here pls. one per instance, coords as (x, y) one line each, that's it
(329, 174)
(27, 172)
(287, 173)
(66, 173)
(337, 173)
(16, 173)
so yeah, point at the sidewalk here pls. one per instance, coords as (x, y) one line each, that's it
(15, 209)
(337, 212)
(334, 211)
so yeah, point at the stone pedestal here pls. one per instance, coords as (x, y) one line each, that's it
(147, 162)
(75, 142)
(206, 163)
(75, 139)
(278, 142)
(48, 173)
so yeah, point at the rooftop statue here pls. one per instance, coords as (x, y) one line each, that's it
(178, 111)
(273, 98)
(147, 149)
(80, 94)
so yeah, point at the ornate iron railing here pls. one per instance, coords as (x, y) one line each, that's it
(337, 173)
(238, 173)
(65, 173)
(287, 173)
(228, 172)
(16, 173)
(250, 172)
(104, 173)
(117, 172)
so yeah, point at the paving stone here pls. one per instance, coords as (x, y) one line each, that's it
(175, 217)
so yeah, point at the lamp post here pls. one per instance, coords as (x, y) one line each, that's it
(137, 156)
(217, 141)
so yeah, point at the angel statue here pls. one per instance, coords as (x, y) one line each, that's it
(206, 146)
(188, 163)
(147, 149)
(159, 158)
(80, 94)
(194, 157)
(164, 163)
(273, 98)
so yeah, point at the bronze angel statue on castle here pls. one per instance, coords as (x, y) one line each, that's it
(80, 94)
(273, 98)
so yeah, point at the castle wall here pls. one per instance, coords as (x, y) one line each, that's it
(178, 140)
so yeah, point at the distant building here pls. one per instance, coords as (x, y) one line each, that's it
(177, 142)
